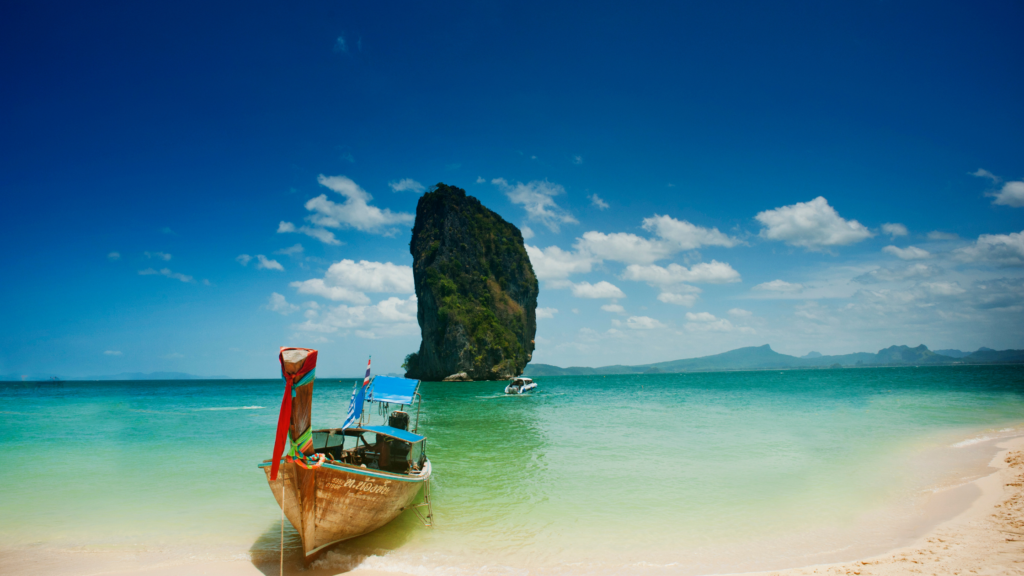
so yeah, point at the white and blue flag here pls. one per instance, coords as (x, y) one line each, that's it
(355, 409)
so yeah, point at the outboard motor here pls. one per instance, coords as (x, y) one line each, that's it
(399, 419)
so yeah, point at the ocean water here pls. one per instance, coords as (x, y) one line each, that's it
(660, 474)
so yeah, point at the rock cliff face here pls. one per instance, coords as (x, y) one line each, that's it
(476, 289)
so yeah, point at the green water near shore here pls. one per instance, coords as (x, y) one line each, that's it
(587, 475)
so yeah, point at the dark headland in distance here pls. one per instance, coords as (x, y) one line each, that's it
(750, 358)
(110, 377)
(764, 358)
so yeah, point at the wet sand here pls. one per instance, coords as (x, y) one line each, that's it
(985, 539)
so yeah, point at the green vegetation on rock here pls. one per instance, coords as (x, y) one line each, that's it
(476, 290)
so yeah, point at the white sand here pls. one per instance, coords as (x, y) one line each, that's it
(986, 539)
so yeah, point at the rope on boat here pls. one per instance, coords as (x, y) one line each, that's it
(302, 461)
(282, 526)
(428, 521)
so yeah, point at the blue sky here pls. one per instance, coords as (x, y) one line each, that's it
(696, 178)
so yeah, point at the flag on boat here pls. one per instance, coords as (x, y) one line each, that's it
(355, 408)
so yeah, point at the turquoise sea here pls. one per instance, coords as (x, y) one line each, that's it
(640, 474)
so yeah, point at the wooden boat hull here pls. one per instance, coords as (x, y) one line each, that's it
(335, 502)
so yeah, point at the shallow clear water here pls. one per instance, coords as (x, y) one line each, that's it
(586, 475)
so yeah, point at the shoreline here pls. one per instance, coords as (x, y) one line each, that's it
(986, 537)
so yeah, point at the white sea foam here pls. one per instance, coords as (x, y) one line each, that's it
(971, 441)
(388, 563)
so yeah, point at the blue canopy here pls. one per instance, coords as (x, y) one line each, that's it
(394, 432)
(392, 390)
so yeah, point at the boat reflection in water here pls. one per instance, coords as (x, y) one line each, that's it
(338, 483)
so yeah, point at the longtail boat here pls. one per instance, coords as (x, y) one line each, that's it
(338, 483)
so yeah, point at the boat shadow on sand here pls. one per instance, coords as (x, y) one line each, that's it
(337, 559)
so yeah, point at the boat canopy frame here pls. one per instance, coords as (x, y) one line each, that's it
(396, 391)
(388, 431)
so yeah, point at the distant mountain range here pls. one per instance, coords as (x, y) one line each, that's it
(121, 376)
(764, 358)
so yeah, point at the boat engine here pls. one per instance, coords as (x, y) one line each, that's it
(399, 419)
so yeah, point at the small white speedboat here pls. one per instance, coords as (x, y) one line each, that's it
(520, 386)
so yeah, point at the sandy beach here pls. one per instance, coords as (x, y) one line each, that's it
(986, 538)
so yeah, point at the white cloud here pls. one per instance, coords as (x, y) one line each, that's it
(537, 198)
(158, 255)
(937, 235)
(908, 272)
(1012, 195)
(372, 276)
(527, 232)
(602, 289)
(114, 256)
(279, 304)
(999, 249)
(643, 323)
(291, 250)
(713, 272)
(811, 225)
(982, 173)
(407, 184)
(480, 180)
(943, 288)
(683, 235)
(325, 236)
(779, 286)
(678, 299)
(546, 312)
(740, 313)
(894, 230)
(1001, 294)
(356, 212)
(598, 202)
(616, 308)
(622, 247)
(317, 287)
(348, 280)
(391, 317)
(908, 253)
(265, 263)
(113, 352)
(166, 272)
(706, 322)
(577, 159)
(396, 309)
(553, 263)
(673, 236)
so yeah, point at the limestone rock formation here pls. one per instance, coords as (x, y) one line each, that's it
(476, 289)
